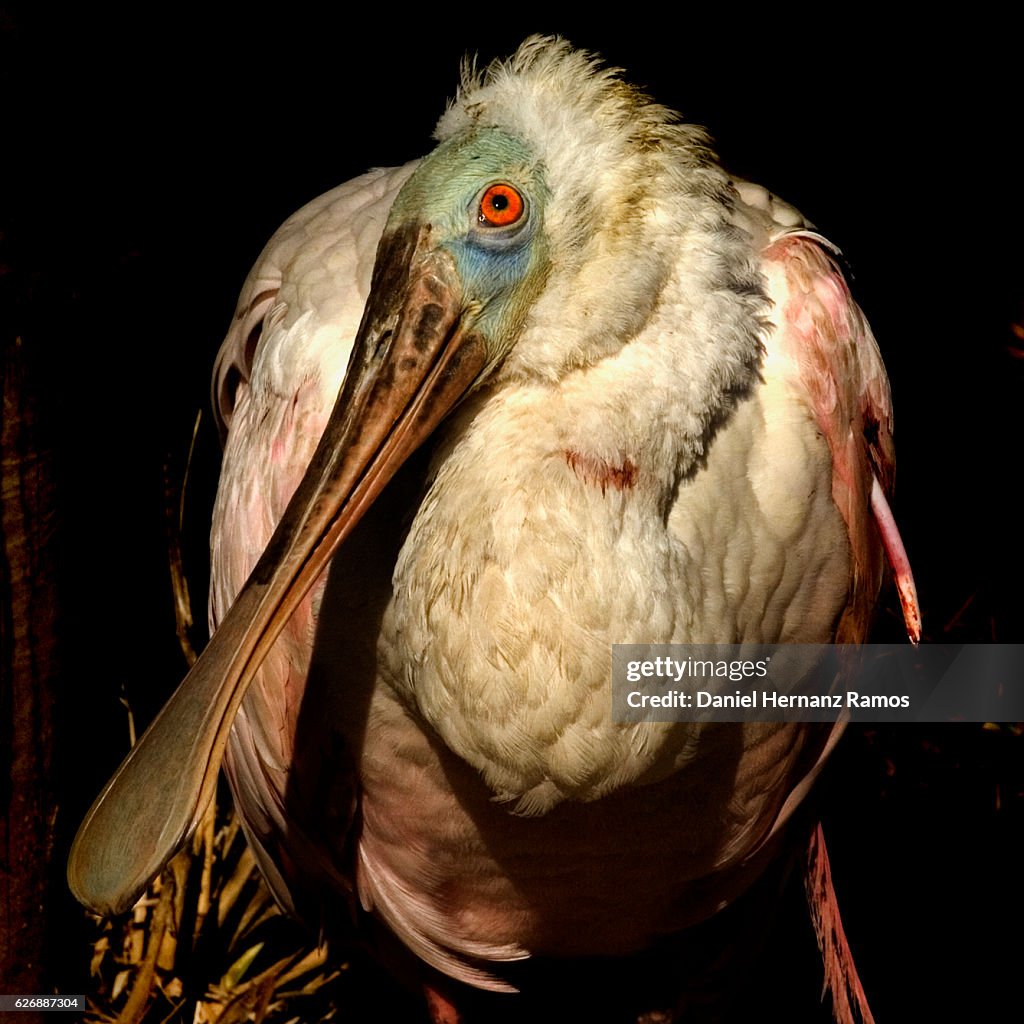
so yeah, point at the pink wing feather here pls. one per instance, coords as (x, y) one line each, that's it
(824, 331)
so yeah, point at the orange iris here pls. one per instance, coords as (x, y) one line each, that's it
(501, 205)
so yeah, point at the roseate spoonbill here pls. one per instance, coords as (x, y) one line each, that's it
(654, 414)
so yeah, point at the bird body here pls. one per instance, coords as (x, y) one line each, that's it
(675, 425)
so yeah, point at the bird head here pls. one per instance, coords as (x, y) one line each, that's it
(602, 194)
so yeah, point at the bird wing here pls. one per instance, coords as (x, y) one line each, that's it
(276, 379)
(825, 333)
(820, 337)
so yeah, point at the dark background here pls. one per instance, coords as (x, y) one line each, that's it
(149, 156)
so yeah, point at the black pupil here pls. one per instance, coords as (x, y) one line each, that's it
(499, 202)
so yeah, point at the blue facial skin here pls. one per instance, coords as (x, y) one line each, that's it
(502, 269)
(493, 261)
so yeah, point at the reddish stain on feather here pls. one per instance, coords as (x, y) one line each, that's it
(592, 470)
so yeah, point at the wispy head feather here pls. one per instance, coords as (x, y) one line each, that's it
(549, 92)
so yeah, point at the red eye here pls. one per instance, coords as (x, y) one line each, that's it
(501, 205)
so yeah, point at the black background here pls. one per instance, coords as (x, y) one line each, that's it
(149, 156)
